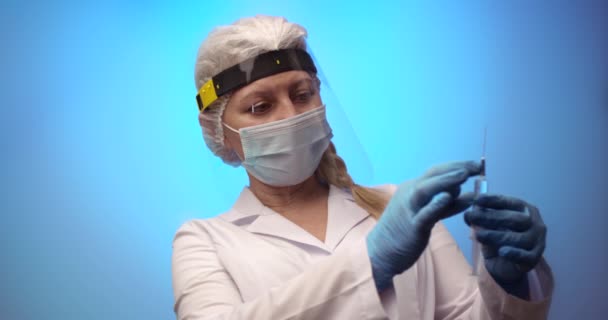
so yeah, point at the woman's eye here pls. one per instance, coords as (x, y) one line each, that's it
(303, 96)
(259, 108)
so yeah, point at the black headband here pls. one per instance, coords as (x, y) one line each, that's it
(250, 70)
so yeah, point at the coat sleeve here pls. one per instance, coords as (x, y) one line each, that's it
(460, 295)
(338, 287)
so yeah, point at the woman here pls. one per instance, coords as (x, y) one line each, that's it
(303, 241)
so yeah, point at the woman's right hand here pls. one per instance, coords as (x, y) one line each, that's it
(404, 229)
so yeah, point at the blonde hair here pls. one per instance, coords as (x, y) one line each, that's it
(246, 38)
(332, 170)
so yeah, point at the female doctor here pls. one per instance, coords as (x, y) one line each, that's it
(303, 241)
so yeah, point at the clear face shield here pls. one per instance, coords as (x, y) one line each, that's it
(282, 123)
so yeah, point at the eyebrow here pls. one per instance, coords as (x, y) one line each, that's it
(261, 92)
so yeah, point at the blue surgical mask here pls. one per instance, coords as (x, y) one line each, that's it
(286, 152)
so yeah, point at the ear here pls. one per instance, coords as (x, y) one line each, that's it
(227, 144)
(225, 139)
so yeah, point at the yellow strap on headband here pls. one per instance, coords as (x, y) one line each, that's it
(207, 95)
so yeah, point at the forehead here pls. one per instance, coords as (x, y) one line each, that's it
(275, 82)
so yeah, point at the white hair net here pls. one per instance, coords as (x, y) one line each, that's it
(229, 45)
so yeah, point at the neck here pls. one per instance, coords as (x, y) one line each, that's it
(282, 199)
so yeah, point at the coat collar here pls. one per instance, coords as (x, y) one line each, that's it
(343, 215)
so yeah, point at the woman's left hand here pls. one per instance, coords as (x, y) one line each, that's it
(512, 233)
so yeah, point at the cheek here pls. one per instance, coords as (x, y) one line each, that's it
(233, 141)
(314, 103)
(317, 100)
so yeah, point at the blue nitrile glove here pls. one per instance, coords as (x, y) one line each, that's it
(512, 234)
(404, 229)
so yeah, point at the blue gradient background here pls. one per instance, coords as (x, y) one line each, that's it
(102, 157)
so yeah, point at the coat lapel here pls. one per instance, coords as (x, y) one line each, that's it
(343, 215)
(273, 224)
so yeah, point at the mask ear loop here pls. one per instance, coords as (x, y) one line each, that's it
(237, 132)
(230, 128)
(233, 129)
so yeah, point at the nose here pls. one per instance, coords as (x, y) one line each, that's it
(286, 109)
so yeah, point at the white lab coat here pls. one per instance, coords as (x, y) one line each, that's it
(252, 263)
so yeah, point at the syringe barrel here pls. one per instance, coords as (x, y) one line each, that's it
(481, 185)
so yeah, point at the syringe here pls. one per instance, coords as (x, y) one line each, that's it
(481, 186)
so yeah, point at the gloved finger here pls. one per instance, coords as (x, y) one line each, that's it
(498, 219)
(489, 251)
(473, 167)
(537, 220)
(454, 192)
(443, 206)
(431, 213)
(523, 240)
(460, 204)
(495, 201)
(527, 259)
(426, 189)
